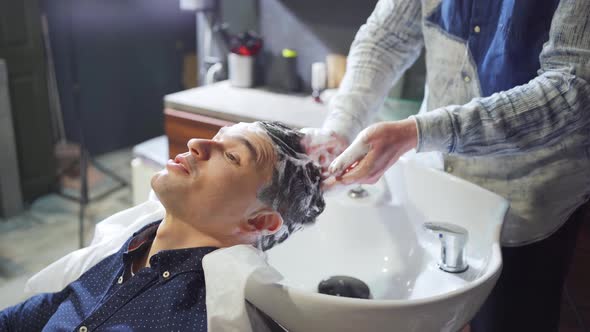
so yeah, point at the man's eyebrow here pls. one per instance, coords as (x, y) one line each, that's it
(248, 144)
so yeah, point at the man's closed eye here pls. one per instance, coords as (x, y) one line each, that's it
(233, 158)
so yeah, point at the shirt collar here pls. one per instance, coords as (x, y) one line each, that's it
(174, 261)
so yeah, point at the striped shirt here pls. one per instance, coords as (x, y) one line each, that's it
(507, 97)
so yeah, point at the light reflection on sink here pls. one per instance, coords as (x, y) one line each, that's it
(380, 240)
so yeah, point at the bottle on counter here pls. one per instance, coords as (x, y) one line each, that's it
(283, 72)
(318, 80)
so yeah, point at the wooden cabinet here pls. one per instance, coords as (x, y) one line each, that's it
(180, 126)
(200, 112)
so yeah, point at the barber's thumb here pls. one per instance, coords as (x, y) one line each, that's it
(356, 151)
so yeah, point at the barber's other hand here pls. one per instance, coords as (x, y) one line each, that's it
(373, 151)
(323, 145)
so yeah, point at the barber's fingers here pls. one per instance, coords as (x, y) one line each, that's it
(348, 161)
(359, 172)
(355, 152)
(325, 155)
(362, 172)
(315, 138)
(322, 146)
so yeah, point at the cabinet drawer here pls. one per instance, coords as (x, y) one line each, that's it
(181, 126)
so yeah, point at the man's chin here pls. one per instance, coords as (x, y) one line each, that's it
(160, 182)
(166, 185)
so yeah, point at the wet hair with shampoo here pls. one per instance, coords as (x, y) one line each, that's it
(294, 191)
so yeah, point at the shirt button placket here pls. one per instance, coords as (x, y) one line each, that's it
(467, 78)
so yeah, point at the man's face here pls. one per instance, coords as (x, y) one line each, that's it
(216, 181)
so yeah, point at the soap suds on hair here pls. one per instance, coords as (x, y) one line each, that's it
(295, 189)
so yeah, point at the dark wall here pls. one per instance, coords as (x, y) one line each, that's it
(121, 57)
(314, 28)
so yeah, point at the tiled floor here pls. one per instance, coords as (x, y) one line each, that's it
(48, 229)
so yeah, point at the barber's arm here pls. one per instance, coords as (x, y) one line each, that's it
(551, 106)
(32, 314)
(383, 48)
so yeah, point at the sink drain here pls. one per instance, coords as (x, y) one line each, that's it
(344, 286)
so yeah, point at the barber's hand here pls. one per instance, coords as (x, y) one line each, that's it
(323, 145)
(372, 152)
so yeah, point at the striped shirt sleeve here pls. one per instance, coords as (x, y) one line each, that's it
(530, 116)
(383, 48)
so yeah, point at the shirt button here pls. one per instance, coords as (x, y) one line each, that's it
(477, 29)
(83, 329)
(166, 274)
(449, 169)
(467, 79)
(120, 281)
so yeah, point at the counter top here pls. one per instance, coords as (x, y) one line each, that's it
(222, 101)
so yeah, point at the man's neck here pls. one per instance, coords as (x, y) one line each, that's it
(174, 233)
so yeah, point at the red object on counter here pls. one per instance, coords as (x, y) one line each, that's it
(247, 44)
(243, 50)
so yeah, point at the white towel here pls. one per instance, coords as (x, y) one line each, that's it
(226, 274)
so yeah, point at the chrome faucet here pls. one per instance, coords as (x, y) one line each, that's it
(358, 192)
(452, 250)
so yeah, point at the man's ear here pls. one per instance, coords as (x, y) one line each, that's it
(266, 221)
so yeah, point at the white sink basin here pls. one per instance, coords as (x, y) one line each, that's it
(380, 240)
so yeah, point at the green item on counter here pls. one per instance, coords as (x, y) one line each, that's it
(289, 53)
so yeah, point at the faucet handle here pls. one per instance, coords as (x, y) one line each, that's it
(452, 250)
(444, 227)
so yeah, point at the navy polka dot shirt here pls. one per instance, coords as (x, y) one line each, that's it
(167, 296)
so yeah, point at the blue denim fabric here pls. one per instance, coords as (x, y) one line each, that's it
(167, 296)
(507, 97)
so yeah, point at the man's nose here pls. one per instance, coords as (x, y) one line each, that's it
(200, 149)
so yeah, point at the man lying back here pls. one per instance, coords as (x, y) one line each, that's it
(250, 184)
